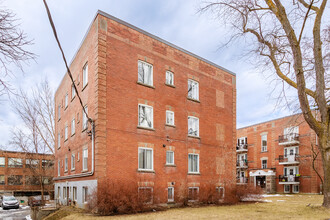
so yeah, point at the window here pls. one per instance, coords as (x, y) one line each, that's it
(73, 127)
(2, 161)
(64, 192)
(66, 100)
(193, 126)
(170, 194)
(66, 164)
(85, 119)
(145, 158)
(73, 162)
(264, 164)
(32, 180)
(286, 188)
(47, 164)
(193, 194)
(169, 157)
(169, 78)
(145, 194)
(58, 167)
(85, 75)
(291, 151)
(74, 192)
(15, 180)
(193, 163)
(2, 179)
(73, 92)
(85, 159)
(291, 171)
(59, 112)
(193, 92)
(58, 140)
(31, 163)
(295, 188)
(169, 118)
(66, 132)
(264, 143)
(221, 192)
(15, 162)
(146, 116)
(85, 194)
(145, 73)
(58, 192)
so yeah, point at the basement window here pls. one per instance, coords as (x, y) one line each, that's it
(170, 194)
(146, 194)
(193, 193)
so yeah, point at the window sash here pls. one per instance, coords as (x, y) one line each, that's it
(73, 162)
(85, 75)
(58, 140)
(193, 92)
(66, 132)
(73, 92)
(73, 126)
(170, 157)
(85, 119)
(59, 168)
(85, 158)
(169, 78)
(66, 164)
(193, 126)
(193, 193)
(2, 161)
(145, 74)
(66, 100)
(170, 117)
(170, 194)
(264, 164)
(145, 159)
(15, 162)
(145, 116)
(193, 163)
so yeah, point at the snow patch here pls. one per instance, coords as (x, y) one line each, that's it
(281, 200)
(266, 200)
(28, 217)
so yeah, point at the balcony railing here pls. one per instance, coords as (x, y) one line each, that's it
(288, 159)
(241, 163)
(242, 180)
(291, 138)
(289, 179)
(241, 147)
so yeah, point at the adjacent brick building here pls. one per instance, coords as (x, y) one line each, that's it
(21, 173)
(278, 156)
(164, 117)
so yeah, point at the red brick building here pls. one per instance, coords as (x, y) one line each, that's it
(277, 155)
(164, 117)
(20, 173)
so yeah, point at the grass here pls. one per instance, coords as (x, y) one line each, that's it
(276, 207)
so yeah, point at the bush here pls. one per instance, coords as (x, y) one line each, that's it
(248, 192)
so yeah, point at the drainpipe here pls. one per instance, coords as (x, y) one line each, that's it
(90, 173)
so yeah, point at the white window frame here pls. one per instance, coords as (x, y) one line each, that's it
(145, 149)
(59, 111)
(66, 100)
(194, 92)
(84, 194)
(144, 79)
(168, 162)
(58, 140)
(64, 193)
(286, 191)
(193, 200)
(294, 148)
(294, 188)
(85, 159)
(191, 131)
(58, 168)
(140, 115)
(295, 170)
(170, 194)
(14, 162)
(66, 131)
(73, 92)
(85, 119)
(191, 168)
(170, 118)
(85, 75)
(66, 163)
(264, 138)
(264, 166)
(169, 76)
(58, 192)
(2, 162)
(73, 161)
(73, 126)
(74, 193)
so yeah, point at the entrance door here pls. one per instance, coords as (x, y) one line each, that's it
(242, 177)
(261, 181)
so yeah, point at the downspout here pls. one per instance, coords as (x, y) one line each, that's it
(90, 173)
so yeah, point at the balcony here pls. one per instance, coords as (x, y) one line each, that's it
(241, 148)
(242, 164)
(241, 180)
(288, 139)
(291, 179)
(288, 159)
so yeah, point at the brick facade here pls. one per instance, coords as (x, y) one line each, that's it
(291, 133)
(112, 50)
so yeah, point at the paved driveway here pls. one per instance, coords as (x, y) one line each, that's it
(15, 214)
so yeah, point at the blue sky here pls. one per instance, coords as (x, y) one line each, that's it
(176, 21)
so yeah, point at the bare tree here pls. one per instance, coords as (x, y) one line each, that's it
(289, 39)
(12, 48)
(37, 136)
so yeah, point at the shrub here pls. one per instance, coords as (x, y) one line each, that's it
(248, 192)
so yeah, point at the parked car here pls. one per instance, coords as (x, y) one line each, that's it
(9, 202)
(35, 201)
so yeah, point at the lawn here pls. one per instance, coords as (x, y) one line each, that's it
(274, 207)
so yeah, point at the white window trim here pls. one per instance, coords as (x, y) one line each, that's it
(66, 131)
(152, 116)
(168, 199)
(288, 150)
(152, 159)
(262, 164)
(84, 194)
(172, 112)
(74, 195)
(73, 92)
(190, 135)
(194, 187)
(264, 148)
(85, 75)
(152, 73)
(285, 191)
(58, 141)
(193, 98)
(58, 168)
(293, 189)
(66, 100)
(59, 112)
(73, 126)
(192, 172)
(85, 119)
(173, 158)
(169, 72)
(66, 164)
(83, 160)
(73, 161)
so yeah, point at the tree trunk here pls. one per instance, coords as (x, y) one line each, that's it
(324, 146)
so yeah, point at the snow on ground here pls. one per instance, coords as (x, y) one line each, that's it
(266, 200)
(28, 217)
(273, 195)
(280, 200)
